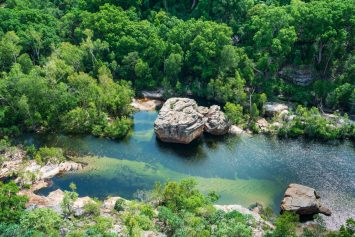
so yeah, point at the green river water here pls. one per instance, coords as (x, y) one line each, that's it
(244, 170)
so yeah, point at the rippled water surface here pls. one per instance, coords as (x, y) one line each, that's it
(244, 170)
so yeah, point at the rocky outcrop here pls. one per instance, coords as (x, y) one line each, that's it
(217, 123)
(31, 172)
(273, 109)
(302, 76)
(303, 200)
(261, 224)
(181, 120)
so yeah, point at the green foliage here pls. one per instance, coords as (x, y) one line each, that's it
(234, 112)
(119, 205)
(285, 225)
(312, 124)
(63, 61)
(12, 205)
(52, 155)
(42, 220)
(185, 211)
(92, 208)
(68, 202)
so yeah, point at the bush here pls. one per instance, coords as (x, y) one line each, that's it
(92, 208)
(12, 206)
(43, 220)
(49, 155)
(234, 112)
(285, 225)
(182, 196)
(119, 205)
(118, 128)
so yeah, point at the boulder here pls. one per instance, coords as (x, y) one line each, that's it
(79, 205)
(303, 200)
(273, 109)
(217, 123)
(179, 121)
(235, 130)
(109, 204)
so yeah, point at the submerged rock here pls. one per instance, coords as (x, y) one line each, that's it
(181, 120)
(303, 200)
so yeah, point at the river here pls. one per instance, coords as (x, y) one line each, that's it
(243, 170)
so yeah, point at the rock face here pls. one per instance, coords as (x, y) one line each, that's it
(181, 120)
(302, 76)
(157, 94)
(217, 123)
(303, 200)
(272, 109)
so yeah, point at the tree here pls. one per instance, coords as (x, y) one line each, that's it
(12, 206)
(42, 220)
(9, 49)
(234, 112)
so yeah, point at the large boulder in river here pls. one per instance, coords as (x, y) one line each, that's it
(179, 121)
(303, 200)
(217, 123)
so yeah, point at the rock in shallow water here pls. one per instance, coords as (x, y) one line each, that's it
(181, 120)
(217, 123)
(303, 200)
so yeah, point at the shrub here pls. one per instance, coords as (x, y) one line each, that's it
(119, 205)
(68, 202)
(12, 205)
(49, 155)
(234, 112)
(285, 225)
(92, 208)
(43, 220)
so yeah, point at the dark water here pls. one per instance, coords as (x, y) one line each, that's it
(243, 169)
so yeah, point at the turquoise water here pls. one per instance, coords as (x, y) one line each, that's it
(244, 170)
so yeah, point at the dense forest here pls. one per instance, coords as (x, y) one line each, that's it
(75, 65)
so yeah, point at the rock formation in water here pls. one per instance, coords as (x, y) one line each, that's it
(303, 200)
(181, 120)
(217, 123)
